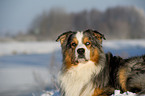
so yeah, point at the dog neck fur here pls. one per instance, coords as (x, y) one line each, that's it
(76, 78)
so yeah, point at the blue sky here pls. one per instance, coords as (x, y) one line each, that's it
(17, 15)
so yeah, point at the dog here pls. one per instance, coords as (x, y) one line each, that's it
(88, 71)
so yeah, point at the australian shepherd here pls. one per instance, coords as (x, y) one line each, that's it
(88, 71)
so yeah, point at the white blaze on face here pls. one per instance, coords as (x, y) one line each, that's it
(79, 37)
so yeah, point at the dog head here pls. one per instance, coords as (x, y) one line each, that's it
(81, 46)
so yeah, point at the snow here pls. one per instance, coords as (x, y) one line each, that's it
(117, 93)
(51, 93)
(22, 79)
(11, 48)
(123, 44)
(8, 74)
(25, 66)
(125, 48)
(25, 74)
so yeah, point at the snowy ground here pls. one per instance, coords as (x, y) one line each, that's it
(13, 48)
(25, 66)
(115, 46)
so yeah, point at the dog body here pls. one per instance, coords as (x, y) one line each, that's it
(126, 74)
(88, 71)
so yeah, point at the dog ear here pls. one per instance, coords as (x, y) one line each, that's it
(63, 36)
(98, 35)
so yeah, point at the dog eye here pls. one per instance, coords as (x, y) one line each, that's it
(74, 44)
(87, 43)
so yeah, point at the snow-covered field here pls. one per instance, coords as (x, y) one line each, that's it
(115, 46)
(25, 66)
(13, 48)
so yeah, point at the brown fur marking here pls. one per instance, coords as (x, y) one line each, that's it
(122, 78)
(68, 60)
(98, 92)
(94, 55)
(74, 41)
(85, 40)
(62, 38)
(99, 37)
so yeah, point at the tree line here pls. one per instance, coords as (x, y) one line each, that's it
(114, 23)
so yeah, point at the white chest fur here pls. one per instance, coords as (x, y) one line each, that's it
(73, 81)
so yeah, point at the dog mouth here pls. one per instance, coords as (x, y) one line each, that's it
(81, 59)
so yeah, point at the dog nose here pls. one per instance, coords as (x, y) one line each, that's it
(81, 51)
